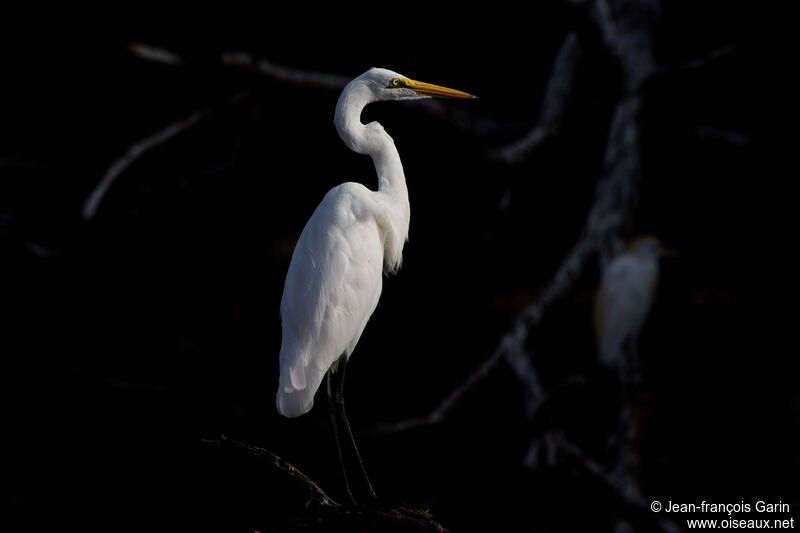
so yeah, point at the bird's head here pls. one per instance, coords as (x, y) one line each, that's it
(384, 84)
(375, 85)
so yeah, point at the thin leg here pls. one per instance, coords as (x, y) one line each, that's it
(338, 400)
(336, 437)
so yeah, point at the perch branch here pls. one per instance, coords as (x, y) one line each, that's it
(317, 494)
(374, 516)
(328, 515)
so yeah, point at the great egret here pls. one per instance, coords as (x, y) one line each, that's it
(626, 294)
(335, 276)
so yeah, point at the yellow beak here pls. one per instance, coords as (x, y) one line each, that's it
(437, 91)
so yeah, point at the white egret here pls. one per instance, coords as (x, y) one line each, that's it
(626, 294)
(335, 276)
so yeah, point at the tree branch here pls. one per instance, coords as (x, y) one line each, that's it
(615, 201)
(448, 403)
(283, 74)
(155, 54)
(462, 120)
(628, 494)
(328, 515)
(375, 516)
(556, 95)
(134, 153)
(317, 494)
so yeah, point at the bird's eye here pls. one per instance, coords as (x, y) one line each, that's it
(395, 82)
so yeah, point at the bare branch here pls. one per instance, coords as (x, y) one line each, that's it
(462, 120)
(615, 200)
(603, 223)
(373, 516)
(557, 93)
(164, 56)
(26, 165)
(710, 133)
(283, 74)
(135, 152)
(156, 54)
(627, 34)
(317, 494)
(511, 348)
(627, 493)
(441, 411)
(700, 62)
(246, 61)
(327, 515)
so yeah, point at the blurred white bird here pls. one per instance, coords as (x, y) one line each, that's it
(626, 294)
(335, 275)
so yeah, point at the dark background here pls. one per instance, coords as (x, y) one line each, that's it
(127, 339)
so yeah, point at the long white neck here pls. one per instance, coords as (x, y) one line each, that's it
(372, 140)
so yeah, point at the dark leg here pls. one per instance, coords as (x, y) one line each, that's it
(331, 404)
(337, 379)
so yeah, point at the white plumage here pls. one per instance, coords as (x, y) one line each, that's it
(625, 297)
(335, 276)
(332, 288)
